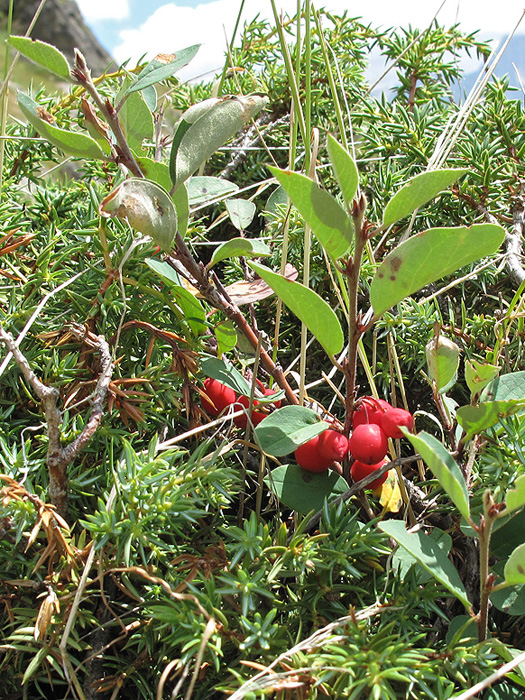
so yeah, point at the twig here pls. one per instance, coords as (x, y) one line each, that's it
(316, 640)
(513, 239)
(59, 457)
(497, 676)
(82, 75)
(35, 314)
(359, 486)
(252, 137)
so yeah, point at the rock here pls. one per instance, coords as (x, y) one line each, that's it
(61, 24)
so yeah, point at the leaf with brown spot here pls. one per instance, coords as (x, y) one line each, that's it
(426, 257)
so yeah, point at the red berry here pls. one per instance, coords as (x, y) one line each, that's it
(308, 457)
(358, 471)
(217, 396)
(242, 420)
(368, 443)
(257, 416)
(369, 410)
(333, 445)
(394, 419)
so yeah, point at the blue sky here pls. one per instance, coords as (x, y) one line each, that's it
(132, 28)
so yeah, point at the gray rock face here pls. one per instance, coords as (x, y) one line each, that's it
(62, 25)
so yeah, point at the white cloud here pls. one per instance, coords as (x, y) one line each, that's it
(172, 27)
(93, 10)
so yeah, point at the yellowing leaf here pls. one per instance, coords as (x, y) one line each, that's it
(390, 494)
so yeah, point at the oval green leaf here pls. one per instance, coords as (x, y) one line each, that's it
(444, 468)
(326, 217)
(182, 206)
(155, 171)
(46, 55)
(236, 247)
(505, 388)
(226, 336)
(429, 555)
(308, 306)
(478, 375)
(303, 491)
(213, 129)
(515, 567)
(418, 191)
(226, 373)
(426, 257)
(443, 361)
(510, 600)
(476, 419)
(162, 67)
(146, 206)
(71, 142)
(344, 168)
(286, 428)
(515, 498)
(204, 188)
(137, 121)
(241, 212)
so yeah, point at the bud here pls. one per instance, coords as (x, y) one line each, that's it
(443, 361)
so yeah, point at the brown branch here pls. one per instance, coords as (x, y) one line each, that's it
(211, 293)
(59, 457)
(82, 75)
(513, 243)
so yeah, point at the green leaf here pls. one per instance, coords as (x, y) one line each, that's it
(146, 206)
(426, 257)
(46, 55)
(515, 567)
(418, 191)
(402, 560)
(478, 375)
(308, 306)
(35, 663)
(444, 468)
(236, 247)
(476, 419)
(191, 307)
(510, 600)
(429, 555)
(505, 388)
(224, 372)
(241, 212)
(149, 95)
(226, 335)
(304, 491)
(71, 142)
(155, 171)
(328, 220)
(286, 428)
(443, 361)
(137, 121)
(203, 189)
(504, 691)
(160, 69)
(182, 205)
(508, 532)
(217, 125)
(345, 169)
(515, 498)
(276, 201)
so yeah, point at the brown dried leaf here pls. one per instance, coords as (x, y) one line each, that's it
(250, 292)
(45, 613)
(165, 57)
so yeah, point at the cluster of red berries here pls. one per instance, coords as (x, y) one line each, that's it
(373, 422)
(218, 396)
